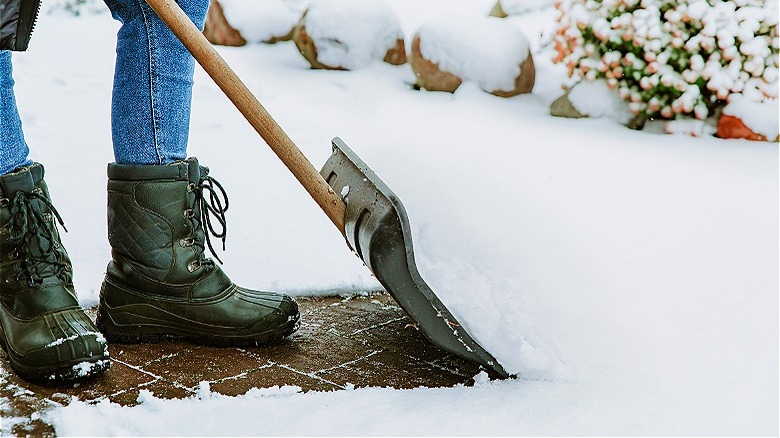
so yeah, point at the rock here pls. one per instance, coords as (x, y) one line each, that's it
(237, 22)
(506, 8)
(733, 127)
(429, 75)
(498, 11)
(562, 107)
(327, 41)
(524, 82)
(488, 51)
(217, 29)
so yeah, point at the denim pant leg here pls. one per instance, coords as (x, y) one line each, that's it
(13, 148)
(150, 111)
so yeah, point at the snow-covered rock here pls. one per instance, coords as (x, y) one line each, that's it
(744, 118)
(346, 36)
(505, 8)
(591, 99)
(236, 22)
(485, 50)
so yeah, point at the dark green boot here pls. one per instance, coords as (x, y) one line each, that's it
(42, 328)
(159, 284)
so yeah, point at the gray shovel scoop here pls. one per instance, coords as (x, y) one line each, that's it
(370, 216)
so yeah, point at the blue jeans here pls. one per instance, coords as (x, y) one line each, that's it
(150, 108)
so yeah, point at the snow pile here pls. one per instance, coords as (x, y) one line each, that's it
(596, 99)
(486, 50)
(259, 21)
(761, 117)
(692, 127)
(352, 34)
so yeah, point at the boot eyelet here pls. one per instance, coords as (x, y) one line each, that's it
(193, 266)
(37, 191)
(190, 187)
(13, 255)
(48, 217)
(3, 231)
(4, 202)
(189, 213)
(189, 241)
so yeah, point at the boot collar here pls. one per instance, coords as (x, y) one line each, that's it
(23, 179)
(184, 170)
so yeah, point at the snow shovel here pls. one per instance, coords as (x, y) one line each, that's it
(369, 215)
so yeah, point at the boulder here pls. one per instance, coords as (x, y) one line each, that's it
(238, 22)
(733, 127)
(488, 51)
(429, 75)
(326, 39)
(562, 107)
(217, 29)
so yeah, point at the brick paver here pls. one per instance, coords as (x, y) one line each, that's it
(360, 341)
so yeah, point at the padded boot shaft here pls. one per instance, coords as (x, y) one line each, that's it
(42, 327)
(159, 281)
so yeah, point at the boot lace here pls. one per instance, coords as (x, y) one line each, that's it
(37, 248)
(210, 211)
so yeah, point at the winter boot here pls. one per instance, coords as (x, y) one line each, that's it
(42, 328)
(159, 283)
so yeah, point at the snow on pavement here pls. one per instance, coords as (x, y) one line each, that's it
(629, 278)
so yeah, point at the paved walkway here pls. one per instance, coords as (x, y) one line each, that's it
(361, 341)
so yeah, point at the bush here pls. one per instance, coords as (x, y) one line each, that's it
(672, 57)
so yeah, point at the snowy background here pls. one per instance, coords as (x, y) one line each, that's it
(629, 278)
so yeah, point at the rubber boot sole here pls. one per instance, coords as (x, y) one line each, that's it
(159, 331)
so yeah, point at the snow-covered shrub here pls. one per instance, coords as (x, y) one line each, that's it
(349, 35)
(673, 57)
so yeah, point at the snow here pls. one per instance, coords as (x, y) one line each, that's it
(595, 99)
(259, 21)
(351, 34)
(761, 117)
(695, 128)
(486, 50)
(59, 341)
(517, 7)
(629, 278)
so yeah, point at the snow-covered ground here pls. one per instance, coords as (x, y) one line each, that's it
(629, 278)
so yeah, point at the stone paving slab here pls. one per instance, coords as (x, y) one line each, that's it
(360, 341)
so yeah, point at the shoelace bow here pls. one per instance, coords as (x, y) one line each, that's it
(216, 206)
(30, 227)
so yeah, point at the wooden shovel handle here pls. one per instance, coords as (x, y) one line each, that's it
(186, 31)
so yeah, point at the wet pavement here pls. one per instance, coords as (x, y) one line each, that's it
(360, 341)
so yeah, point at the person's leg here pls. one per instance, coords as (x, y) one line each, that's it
(13, 148)
(162, 209)
(45, 333)
(152, 84)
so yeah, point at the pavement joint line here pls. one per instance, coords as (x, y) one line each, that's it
(310, 375)
(239, 375)
(141, 370)
(365, 329)
(345, 364)
(435, 365)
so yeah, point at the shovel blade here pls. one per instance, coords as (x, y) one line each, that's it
(377, 230)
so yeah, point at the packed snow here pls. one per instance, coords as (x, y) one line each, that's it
(629, 278)
(259, 21)
(486, 50)
(351, 34)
